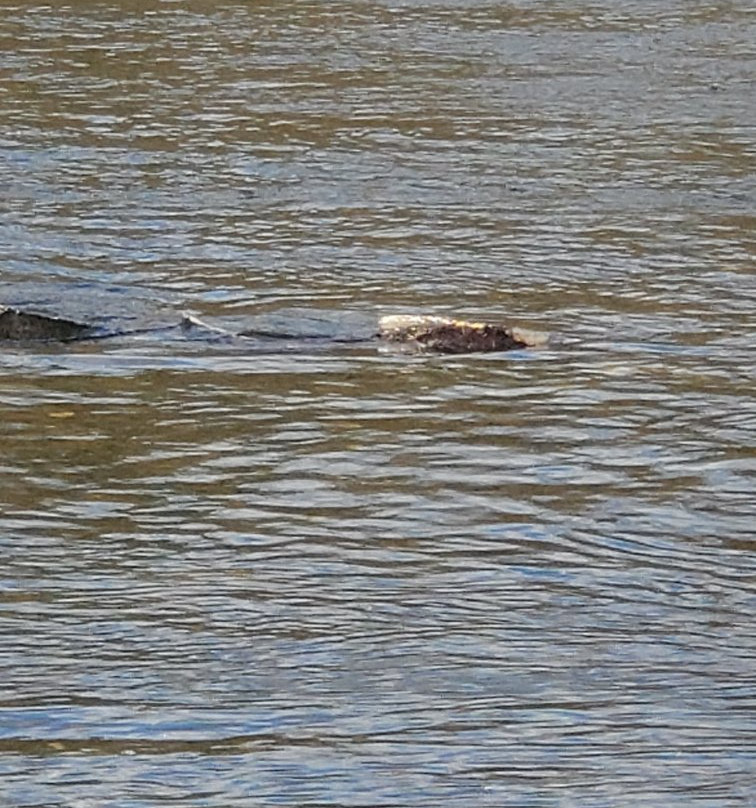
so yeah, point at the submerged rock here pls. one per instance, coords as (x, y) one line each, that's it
(421, 332)
(21, 325)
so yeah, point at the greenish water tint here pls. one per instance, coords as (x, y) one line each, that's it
(313, 573)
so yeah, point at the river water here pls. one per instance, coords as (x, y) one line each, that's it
(308, 572)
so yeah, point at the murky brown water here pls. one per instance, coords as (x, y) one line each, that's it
(312, 573)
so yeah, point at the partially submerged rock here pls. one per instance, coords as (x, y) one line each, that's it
(450, 336)
(22, 325)
(421, 332)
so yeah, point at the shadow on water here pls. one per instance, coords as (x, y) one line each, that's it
(310, 572)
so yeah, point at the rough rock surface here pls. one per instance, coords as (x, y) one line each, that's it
(445, 335)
